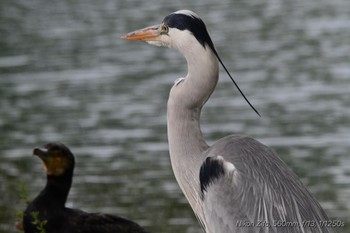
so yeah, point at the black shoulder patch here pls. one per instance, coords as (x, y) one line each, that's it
(211, 170)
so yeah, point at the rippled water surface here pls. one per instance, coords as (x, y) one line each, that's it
(67, 76)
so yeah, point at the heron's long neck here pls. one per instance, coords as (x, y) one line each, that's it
(186, 142)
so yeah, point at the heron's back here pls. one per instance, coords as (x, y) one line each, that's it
(259, 193)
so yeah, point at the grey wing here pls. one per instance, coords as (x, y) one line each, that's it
(246, 187)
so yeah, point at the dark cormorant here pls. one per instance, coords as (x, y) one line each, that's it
(47, 212)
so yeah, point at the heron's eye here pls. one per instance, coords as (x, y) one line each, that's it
(164, 29)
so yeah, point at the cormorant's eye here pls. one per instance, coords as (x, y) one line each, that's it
(56, 153)
(164, 29)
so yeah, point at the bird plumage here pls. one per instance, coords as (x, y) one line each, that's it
(261, 190)
(50, 208)
(237, 180)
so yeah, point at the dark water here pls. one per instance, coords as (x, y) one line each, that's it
(67, 76)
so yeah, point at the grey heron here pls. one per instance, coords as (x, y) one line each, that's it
(237, 184)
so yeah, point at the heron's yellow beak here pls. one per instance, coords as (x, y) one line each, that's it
(148, 34)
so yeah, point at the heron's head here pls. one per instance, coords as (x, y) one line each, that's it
(57, 158)
(185, 31)
(180, 30)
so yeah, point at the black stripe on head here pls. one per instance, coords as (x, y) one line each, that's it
(192, 23)
(211, 170)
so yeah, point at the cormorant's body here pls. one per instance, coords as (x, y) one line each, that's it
(49, 205)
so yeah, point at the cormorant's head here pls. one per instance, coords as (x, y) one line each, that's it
(178, 30)
(57, 158)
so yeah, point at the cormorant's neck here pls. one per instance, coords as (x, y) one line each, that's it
(57, 189)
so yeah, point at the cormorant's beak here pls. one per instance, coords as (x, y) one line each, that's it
(148, 34)
(42, 153)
